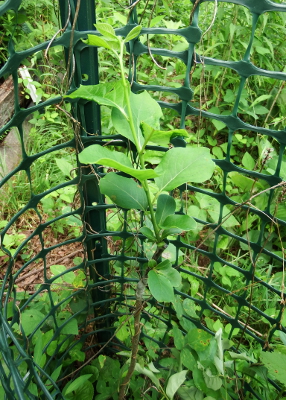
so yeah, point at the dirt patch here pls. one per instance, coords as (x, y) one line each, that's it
(34, 272)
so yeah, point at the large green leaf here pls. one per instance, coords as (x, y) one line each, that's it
(88, 92)
(180, 222)
(124, 192)
(146, 109)
(160, 287)
(180, 165)
(276, 364)
(97, 154)
(108, 94)
(174, 382)
(122, 126)
(143, 108)
(166, 206)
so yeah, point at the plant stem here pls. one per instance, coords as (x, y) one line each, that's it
(136, 142)
(135, 340)
(140, 286)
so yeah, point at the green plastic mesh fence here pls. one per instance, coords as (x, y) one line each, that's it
(68, 298)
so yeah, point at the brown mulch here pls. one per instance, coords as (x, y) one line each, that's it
(33, 273)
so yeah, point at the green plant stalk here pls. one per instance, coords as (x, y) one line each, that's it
(140, 286)
(141, 159)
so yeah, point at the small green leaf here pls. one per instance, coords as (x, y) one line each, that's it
(229, 96)
(160, 287)
(189, 308)
(174, 382)
(191, 393)
(39, 358)
(77, 383)
(133, 33)
(178, 337)
(187, 359)
(199, 380)
(94, 40)
(148, 373)
(213, 382)
(241, 181)
(164, 264)
(57, 269)
(64, 166)
(276, 365)
(262, 50)
(85, 392)
(56, 373)
(241, 356)
(218, 124)
(75, 353)
(124, 192)
(32, 388)
(248, 161)
(198, 339)
(168, 232)
(260, 99)
(161, 138)
(166, 206)
(180, 165)
(30, 319)
(148, 233)
(105, 30)
(96, 154)
(260, 110)
(71, 328)
(180, 222)
(283, 337)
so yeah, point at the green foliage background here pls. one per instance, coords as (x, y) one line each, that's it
(229, 269)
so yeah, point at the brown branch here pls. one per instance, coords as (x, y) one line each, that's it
(135, 340)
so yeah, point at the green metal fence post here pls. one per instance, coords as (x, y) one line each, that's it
(88, 114)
